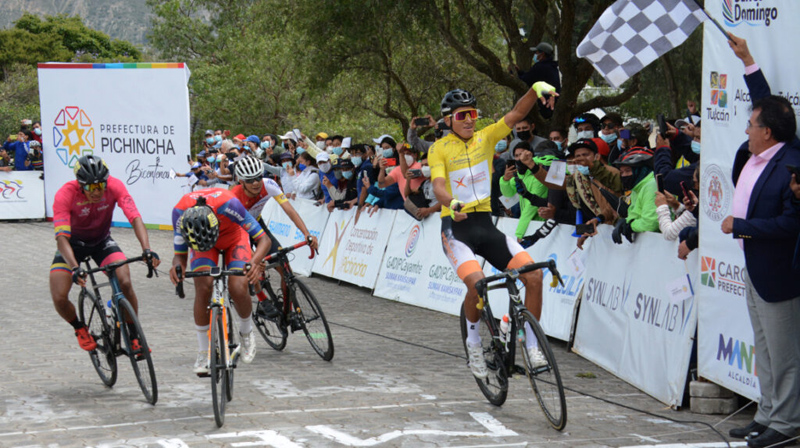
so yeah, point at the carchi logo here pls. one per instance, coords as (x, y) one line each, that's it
(751, 12)
(413, 239)
(73, 135)
(708, 272)
(718, 193)
(722, 276)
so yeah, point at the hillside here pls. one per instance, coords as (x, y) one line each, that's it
(121, 19)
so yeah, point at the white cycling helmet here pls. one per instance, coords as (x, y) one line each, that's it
(249, 168)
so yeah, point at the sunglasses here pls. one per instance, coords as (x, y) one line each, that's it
(254, 180)
(608, 125)
(95, 186)
(463, 114)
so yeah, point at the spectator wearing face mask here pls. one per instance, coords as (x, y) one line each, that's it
(21, 149)
(636, 175)
(362, 156)
(209, 140)
(421, 203)
(343, 195)
(518, 178)
(336, 150)
(289, 142)
(403, 159)
(412, 136)
(501, 157)
(319, 140)
(558, 206)
(306, 181)
(560, 137)
(682, 141)
(633, 137)
(586, 126)
(610, 125)
(523, 132)
(326, 172)
(667, 206)
(36, 132)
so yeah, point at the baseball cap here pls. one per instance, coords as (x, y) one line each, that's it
(544, 47)
(322, 135)
(253, 139)
(209, 132)
(240, 136)
(323, 157)
(596, 145)
(681, 122)
(288, 136)
(196, 165)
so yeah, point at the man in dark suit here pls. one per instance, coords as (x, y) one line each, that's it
(766, 221)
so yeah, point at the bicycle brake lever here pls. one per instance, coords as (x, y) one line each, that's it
(556, 276)
(179, 286)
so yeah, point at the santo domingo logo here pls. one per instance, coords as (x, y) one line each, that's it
(73, 135)
(751, 12)
(413, 239)
(718, 193)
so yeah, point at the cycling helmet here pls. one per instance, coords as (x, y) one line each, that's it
(91, 170)
(590, 118)
(249, 168)
(200, 226)
(635, 158)
(455, 99)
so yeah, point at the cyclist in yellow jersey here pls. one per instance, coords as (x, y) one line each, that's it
(461, 173)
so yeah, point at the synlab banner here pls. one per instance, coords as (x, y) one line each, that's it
(725, 338)
(21, 195)
(134, 116)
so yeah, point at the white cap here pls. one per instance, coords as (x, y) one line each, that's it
(323, 157)
(380, 139)
(288, 136)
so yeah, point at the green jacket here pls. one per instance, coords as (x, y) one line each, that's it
(528, 212)
(642, 214)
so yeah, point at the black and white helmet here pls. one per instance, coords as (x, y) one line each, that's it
(248, 168)
(455, 99)
(91, 170)
(200, 226)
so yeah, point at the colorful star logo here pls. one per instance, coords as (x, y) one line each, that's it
(73, 135)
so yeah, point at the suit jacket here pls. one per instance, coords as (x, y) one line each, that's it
(772, 225)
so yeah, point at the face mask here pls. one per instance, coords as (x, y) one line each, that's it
(521, 167)
(287, 165)
(210, 140)
(321, 144)
(347, 174)
(265, 144)
(524, 135)
(608, 138)
(301, 166)
(217, 138)
(357, 161)
(337, 174)
(586, 134)
(535, 58)
(300, 150)
(337, 150)
(211, 159)
(325, 167)
(283, 145)
(501, 146)
(695, 147)
(583, 169)
(37, 131)
(426, 171)
(627, 182)
(619, 145)
(558, 144)
(388, 153)
(409, 159)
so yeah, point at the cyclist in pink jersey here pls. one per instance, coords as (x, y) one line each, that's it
(82, 211)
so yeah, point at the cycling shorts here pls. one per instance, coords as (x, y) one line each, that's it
(477, 234)
(235, 247)
(103, 253)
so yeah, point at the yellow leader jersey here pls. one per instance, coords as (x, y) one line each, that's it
(467, 166)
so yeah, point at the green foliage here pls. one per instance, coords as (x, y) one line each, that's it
(19, 98)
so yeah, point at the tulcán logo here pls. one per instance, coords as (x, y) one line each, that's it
(718, 104)
(73, 135)
(413, 239)
(708, 272)
(718, 193)
(751, 12)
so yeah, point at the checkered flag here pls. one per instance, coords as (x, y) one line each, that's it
(633, 33)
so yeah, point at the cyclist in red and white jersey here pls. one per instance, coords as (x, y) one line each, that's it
(82, 212)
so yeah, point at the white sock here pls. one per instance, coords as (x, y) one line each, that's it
(202, 337)
(530, 337)
(245, 325)
(473, 333)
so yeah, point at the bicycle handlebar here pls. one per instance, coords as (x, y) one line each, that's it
(111, 266)
(209, 273)
(512, 273)
(285, 250)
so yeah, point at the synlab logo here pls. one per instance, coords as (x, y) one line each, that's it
(413, 239)
(718, 193)
(708, 272)
(73, 135)
(753, 13)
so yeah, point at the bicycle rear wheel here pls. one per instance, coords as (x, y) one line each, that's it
(141, 361)
(217, 367)
(315, 326)
(545, 380)
(272, 329)
(495, 386)
(93, 315)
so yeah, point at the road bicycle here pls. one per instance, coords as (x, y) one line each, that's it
(224, 345)
(299, 311)
(499, 349)
(105, 323)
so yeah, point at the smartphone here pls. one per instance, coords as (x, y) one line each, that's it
(391, 162)
(580, 229)
(660, 182)
(662, 125)
(511, 164)
(12, 137)
(421, 122)
(189, 158)
(685, 191)
(415, 173)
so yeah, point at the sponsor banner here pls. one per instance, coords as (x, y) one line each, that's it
(632, 321)
(415, 269)
(21, 195)
(352, 252)
(558, 303)
(725, 337)
(284, 230)
(134, 116)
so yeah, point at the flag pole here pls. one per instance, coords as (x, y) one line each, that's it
(719, 26)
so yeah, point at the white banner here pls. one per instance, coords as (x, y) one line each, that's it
(21, 195)
(634, 321)
(284, 230)
(352, 252)
(725, 337)
(134, 116)
(415, 269)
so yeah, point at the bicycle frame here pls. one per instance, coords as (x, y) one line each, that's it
(219, 300)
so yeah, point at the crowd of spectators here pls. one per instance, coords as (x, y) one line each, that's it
(23, 151)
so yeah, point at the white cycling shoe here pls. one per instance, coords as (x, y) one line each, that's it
(476, 362)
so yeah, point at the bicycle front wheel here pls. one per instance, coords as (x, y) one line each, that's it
(93, 315)
(234, 344)
(495, 386)
(315, 326)
(272, 329)
(544, 378)
(217, 367)
(141, 361)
